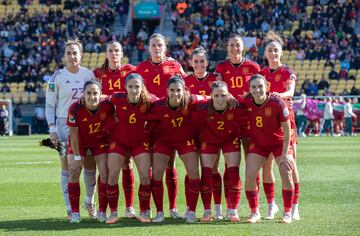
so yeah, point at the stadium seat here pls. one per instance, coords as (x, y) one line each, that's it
(24, 98)
(16, 98)
(33, 98)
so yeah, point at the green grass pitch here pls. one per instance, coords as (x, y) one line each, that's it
(31, 202)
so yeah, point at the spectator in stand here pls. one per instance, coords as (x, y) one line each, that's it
(314, 90)
(333, 75)
(323, 84)
(17, 116)
(29, 87)
(343, 74)
(4, 121)
(345, 92)
(5, 88)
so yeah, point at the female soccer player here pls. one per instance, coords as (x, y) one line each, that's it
(170, 124)
(199, 82)
(130, 138)
(65, 87)
(112, 75)
(88, 124)
(156, 71)
(270, 134)
(281, 82)
(220, 131)
(236, 72)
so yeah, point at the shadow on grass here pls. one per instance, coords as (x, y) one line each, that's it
(57, 224)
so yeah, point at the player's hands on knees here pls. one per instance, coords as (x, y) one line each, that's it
(54, 139)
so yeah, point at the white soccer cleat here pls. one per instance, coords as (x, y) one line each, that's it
(174, 213)
(159, 218)
(287, 219)
(75, 218)
(101, 217)
(233, 215)
(295, 212)
(254, 218)
(186, 211)
(272, 210)
(130, 213)
(218, 212)
(190, 217)
(91, 210)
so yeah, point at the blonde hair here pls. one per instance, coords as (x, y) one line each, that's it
(271, 36)
(76, 42)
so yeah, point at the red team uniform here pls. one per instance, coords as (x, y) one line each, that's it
(266, 132)
(200, 86)
(277, 81)
(156, 75)
(237, 77)
(113, 81)
(93, 132)
(172, 130)
(92, 127)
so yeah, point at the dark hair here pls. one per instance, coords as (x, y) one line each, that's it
(186, 96)
(199, 50)
(216, 84)
(257, 76)
(144, 94)
(91, 82)
(157, 35)
(105, 65)
(235, 35)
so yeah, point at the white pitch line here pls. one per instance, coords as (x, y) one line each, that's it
(28, 163)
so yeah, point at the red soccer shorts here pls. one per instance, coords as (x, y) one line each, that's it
(229, 146)
(168, 149)
(265, 151)
(95, 151)
(129, 150)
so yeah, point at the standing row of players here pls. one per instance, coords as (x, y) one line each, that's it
(134, 106)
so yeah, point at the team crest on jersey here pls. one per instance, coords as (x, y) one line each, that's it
(185, 112)
(277, 78)
(124, 108)
(123, 73)
(166, 69)
(267, 111)
(84, 120)
(245, 70)
(142, 108)
(103, 116)
(51, 87)
(72, 119)
(230, 116)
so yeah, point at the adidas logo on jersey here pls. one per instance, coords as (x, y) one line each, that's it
(67, 82)
(84, 120)
(146, 70)
(227, 72)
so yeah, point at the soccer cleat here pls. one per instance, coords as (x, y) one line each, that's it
(295, 212)
(91, 210)
(101, 217)
(130, 213)
(287, 219)
(254, 218)
(174, 213)
(159, 218)
(233, 215)
(68, 215)
(272, 210)
(75, 218)
(144, 217)
(227, 215)
(113, 219)
(207, 216)
(218, 212)
(186, 211)
(190, 217)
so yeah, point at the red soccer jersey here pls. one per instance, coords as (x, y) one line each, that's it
(265, 120)
(113, 81)
(92, 127)
(237, 78)
(156, 75)
(217, 127)
(132, 117)
(172, 126)
(278, 79)
(200, 86)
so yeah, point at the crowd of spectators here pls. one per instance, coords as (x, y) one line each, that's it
(30, 42)
(332, 24)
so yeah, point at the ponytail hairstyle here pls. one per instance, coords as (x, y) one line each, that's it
(186, 96)
(144, 95)
(105, 65)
